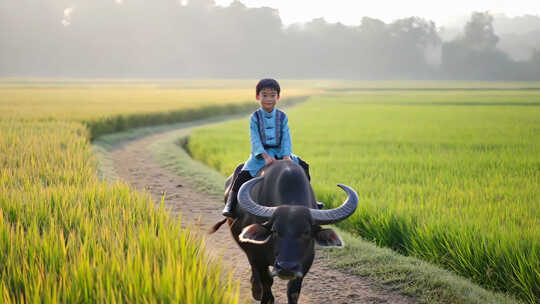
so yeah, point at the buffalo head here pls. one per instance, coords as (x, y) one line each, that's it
(292, 229)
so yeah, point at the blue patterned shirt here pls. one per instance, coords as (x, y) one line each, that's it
(277, 144)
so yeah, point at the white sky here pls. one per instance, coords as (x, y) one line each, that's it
(350, 12)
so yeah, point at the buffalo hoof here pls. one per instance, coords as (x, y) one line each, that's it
(268, 300)
(256, 289)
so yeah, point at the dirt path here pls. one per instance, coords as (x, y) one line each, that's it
(133, 163)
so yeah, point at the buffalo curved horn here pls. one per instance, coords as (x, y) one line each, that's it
(247, 204)
(326, 217)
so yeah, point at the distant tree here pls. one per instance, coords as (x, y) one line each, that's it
(197, 38)
(534, 65)
(536, 56)
(479, 33)
(373, 49)
(474, 55)
(519, 35)
(395, 50)
(412, 36)
(373, 27)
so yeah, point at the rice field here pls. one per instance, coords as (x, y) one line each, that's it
(86, 101)
(444, 174)
(448, 175)
(114, 105)
(65, 236)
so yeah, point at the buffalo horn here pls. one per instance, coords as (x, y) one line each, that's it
(326, 217)
(248, 205)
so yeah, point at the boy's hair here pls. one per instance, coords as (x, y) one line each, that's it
(268, 83)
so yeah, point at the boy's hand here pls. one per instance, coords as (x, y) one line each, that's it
(267, 158)
(287, 157)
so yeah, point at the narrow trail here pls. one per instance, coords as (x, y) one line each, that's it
(133, 163)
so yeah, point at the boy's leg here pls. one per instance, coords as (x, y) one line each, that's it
(233, 178)
(304, 166)
(242, 177)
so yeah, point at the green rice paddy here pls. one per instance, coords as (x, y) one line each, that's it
(451, 176)
(448, 172)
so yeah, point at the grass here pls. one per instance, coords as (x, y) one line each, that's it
(65, 237)
(451, 177)
(422, 280)
(53, 204)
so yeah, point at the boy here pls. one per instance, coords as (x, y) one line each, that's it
(270, 140)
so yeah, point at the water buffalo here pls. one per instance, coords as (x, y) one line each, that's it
(279, 225)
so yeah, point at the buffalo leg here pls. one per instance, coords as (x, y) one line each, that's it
(261, 283)
(266, 282)
(293, 290)
(256, 286)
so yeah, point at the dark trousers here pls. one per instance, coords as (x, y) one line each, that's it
(244, 176)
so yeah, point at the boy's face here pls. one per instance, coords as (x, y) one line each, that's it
(268, 99)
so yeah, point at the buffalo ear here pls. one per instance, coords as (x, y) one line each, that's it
(328, 238)
(255, 233)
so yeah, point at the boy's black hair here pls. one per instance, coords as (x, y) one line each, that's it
(268, 83)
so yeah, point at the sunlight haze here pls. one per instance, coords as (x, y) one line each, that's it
(350, 12)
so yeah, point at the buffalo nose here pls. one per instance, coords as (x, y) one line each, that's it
(288, 266)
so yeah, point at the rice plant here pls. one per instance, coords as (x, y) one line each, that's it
(66, 237)
(450, 176)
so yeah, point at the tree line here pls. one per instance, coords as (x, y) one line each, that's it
(137, 38)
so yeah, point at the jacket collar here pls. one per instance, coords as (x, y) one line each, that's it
(266, 114)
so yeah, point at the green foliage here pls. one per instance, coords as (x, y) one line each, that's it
(65, 237)
(450, 176)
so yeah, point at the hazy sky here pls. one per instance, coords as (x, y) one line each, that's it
(350, 11)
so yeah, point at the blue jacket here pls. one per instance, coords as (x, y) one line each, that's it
(271, 135)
